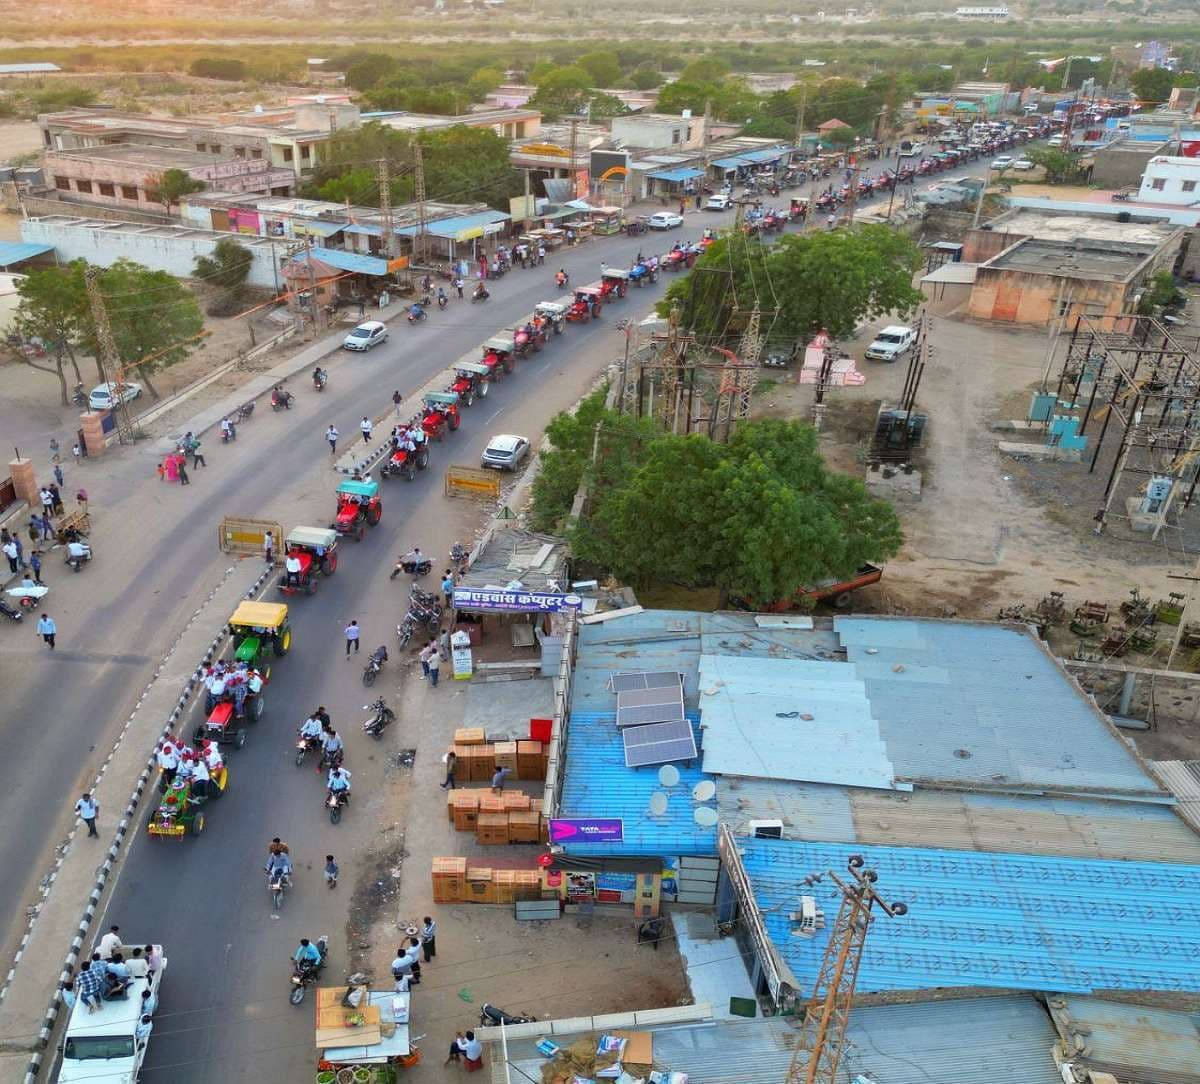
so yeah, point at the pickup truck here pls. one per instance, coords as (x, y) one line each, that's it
(835, 592)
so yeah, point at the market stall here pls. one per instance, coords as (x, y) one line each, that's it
(362, 1036)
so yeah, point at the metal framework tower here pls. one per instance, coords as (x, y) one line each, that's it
(108, 359)
(421, 239)
(385, 209)
(827, 1012)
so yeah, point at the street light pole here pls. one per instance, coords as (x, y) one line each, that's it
(896, 182)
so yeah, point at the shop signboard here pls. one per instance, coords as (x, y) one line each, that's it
(501, 600)
(587, 829)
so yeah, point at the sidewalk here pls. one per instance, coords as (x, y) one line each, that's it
(62, 920)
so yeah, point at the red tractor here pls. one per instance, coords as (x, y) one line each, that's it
(498, 355)
(586, 305)
(680, 258)
(405, 461)
(614, 284)
(529, 338)
(358, 507)
(441, 414)
(471, 382)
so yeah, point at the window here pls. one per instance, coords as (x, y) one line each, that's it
(256, 153)
(129, 191)
(46, 138)
(675, 138)
(199, 146)
(1158, 184)
(1189, 186)
(215, 148)
(63, 184)
(83, 186)
(107, 189)
(239, 152)
(306, 152)
(287, 154)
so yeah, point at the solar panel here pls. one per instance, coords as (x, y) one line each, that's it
(628, 680)
(659, 743)
(637, 707)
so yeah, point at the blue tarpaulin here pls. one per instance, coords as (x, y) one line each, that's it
(348, 261)
(685, 174)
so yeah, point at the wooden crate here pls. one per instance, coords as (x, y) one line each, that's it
(524, 826)
(469, 735)
(482, 763)
(492, 829)
(527, 884)
(449, 879)
(514, 799)
(506, 886)
(480, 888)
(529, 760)
(506, 755)
(466, 811)
(491, 803)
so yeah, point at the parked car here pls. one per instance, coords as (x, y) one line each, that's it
(664, 220)
(1005, 161)
(1055, 140)
(107, 396)
(1023, 164)
(891, 342)
(366, 335)
(719, 202)
(505, 452)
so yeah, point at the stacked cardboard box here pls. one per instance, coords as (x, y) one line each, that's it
(529, 760)
(492, 829)
(506, 756)
(495, 818)
(463, 808)
(482, 884)
(524, 826)
(449, 879)
(470, 735)
(481, 888)
(478, 760)
(517, 884)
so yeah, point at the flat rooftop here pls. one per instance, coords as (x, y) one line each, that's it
(144, 155)
(1048, 225)
(75, 222)
(1107, 261)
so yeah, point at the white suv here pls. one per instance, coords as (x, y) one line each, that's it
(891, 342)
(102, 1046)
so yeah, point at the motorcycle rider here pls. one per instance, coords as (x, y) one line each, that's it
(481, 293)
(442, 299)
(310, 731)
(339, 784)
(319, 377)
(561, 278)
(307, 957)
(415, 312)
(331, 745)
(279, 864)
(228, 432)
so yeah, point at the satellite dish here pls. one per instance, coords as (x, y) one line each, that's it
(658, 803)
(705, 816)
(668, 775)
(705, 790)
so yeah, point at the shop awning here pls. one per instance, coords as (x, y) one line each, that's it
(463, 227)
(12, 252)
(349, 261)
(317, 227)
(732, 163)
(772, 155)
(684, 174)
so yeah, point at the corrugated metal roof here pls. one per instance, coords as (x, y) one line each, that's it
(733, 163)
(1131, 1042)
(12, 252)
(347, 261)
(29, 68)
(751, 715)
(598, 784)
(452, 227)
(1182, 779)
(677, 174)
(984, 704)
(976, 1041)
(995, 920)
(318, 227)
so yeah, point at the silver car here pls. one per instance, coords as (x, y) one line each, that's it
(505, 452)
(366, 335)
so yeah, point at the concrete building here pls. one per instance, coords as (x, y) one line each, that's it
(1172, 180)
(659, 131)
(992, 15)
(124, 174)
(1121, 163)
(514, 123)
(559, 153)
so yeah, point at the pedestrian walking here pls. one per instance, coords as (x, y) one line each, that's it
(181, 461)
(498, 780)
(397, 399)
(82, 498)
(331, 435)
(429, 939)
(331, 871)
(448, 588)
(426, 652)
(13, 554)
(362, 307)
(541, 253)
(47, 630)
(458, 285)
(366, 426)
(192, 446)
(698, 199)
(683, 207)
(47, 499)
(54, 451)
(269, 547)
(435, 663)
(55, 499)
(47, 528)
(35, 563)
(76, 451)
(451, 767)
(59, 477)
(87, 809)
(352, 632)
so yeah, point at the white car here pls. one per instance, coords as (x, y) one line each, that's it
(718, 202)
(891, 342)
(1005, 161)
(103, 1046)
(1055, 140)
(107, 396)
(1023, 165)
(365, 336)
(505, 452)
(664, 220)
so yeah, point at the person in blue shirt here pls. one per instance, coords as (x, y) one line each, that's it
(307, 955)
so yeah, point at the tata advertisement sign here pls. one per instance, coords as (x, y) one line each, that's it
(587, 830)
(499, 600)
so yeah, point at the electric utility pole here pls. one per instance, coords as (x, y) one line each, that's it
(107, 357)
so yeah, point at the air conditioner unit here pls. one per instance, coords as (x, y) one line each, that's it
(808, 919)
(766, 829)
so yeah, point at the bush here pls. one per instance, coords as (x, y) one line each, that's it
(62, 97)
(207, 67)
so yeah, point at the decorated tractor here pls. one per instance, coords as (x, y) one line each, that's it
(182, 807)
(642, 273)
(315, 548)
(586, 305)
(441, 414)
(798, 209)
(471, 382)
(554, 313)
(614, 284)
(358, 507)
(529, 338)
(498, 355)
(406, 459)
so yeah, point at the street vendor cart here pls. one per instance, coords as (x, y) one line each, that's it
(373, 1037)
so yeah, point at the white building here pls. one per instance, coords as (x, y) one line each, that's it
(981, 13)
(1169, 179)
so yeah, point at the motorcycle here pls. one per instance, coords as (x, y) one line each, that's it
(490, 1017)
(405, 630)
(416, 314)
(374, 665)
(423, 598)
(79, 396)
(412, 568)
(77, 562)
(306, 975)
(442, 301)
(383, 715)
(244, 411)
(479, 295)
(562, 281)
(335, 801)
(281, 400)
(425, 614)
(320, 379)
(303, 745)
(277, 883)
(9, 612)
(229, 434)
(460, 558)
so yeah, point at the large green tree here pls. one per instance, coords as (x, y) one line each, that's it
(1061, 166)
(1152, 84)
(371, 70)
(603, 67)
(760, 516)
(53, 310)
(831, 280)
(226, 270)
(171, 186)
(562, 90)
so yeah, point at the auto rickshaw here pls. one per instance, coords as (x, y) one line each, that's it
(316, 550)
(181, 809)
(471, 382)
(614, 283)
(441, 413)
(498, 355)
(358, 507)
(554, 313)
(586, 305)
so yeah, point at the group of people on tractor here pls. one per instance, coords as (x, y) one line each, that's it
(231, 681)
(179, 762)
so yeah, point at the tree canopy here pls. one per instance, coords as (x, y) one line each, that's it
(172, 185)
(1061, 166)
(226, 270)
(603, 67)
(1152, 84)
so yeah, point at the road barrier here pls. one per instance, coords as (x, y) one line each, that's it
(472, 482)
(238, 534)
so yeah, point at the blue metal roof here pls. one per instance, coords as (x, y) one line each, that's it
(362, 228)
(685, 174)
(12, 252)
(318, 227)
(451, 227)
(732, 163)
(347, 261)
(772, 155)
(598, 784)
(999, 921)
(985, 704)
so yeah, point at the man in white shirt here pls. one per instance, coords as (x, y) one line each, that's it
(366, 426)
(137, 965)
(110, 943)
(465, 1045)
(292, 564)
(200, 778)
(331, 435)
